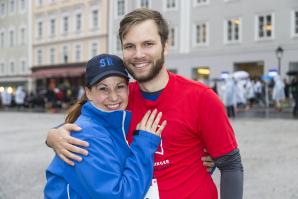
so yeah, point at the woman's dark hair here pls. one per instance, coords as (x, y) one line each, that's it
(75, 110)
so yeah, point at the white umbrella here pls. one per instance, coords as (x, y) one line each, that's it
(241, 74)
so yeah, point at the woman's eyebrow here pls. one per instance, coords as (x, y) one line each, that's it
(99, 84)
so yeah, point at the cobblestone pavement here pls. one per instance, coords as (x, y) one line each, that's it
(269, 149)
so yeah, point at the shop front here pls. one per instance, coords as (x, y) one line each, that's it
(55, 76)
(58, 85)
(10, 83)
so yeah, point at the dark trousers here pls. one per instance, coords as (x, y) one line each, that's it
(230, 111)
(295, 109)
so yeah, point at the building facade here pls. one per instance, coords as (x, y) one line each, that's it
(48, 42)
(15, 44)
(209, 37)
(66, 35)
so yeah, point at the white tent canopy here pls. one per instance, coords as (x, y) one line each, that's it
(240, 75)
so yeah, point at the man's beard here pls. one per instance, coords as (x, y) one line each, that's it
(154, 71)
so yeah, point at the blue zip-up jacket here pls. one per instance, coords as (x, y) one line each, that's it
(112, 170)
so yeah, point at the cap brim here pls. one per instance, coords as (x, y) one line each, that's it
(106, 74)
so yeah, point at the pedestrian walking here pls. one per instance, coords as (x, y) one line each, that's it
(230, 95)
(278, 92)
(258, 89)
(6, 98)
(294, 91)
(81, 92)
(250, 93)
(20, 97)
(240, 94)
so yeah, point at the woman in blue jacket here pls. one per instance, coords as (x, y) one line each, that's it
(113, 169)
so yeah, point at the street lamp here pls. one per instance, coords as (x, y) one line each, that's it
(279, 52)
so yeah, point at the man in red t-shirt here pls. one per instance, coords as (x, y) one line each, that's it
(196, 118)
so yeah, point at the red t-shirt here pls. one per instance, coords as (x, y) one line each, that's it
(196, 119)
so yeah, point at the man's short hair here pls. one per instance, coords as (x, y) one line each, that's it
(140, 15)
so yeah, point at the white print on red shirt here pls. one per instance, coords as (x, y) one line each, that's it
(161, 165)
(164, 162)
(160, 150)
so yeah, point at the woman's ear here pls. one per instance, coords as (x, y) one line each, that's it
(88, 93)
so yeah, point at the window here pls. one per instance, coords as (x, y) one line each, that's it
(78, 52)
(172, 37)
(264, 26)
(171, 4)
(95, 19)
(2, 68)
(94, 49)
(39, 2)
(2, 40)
(78, 22)
(39, 57)
(201, 2)
(22, 36)
(2, 9)
(295, 23)
(120, 7)
(11, 38)
(65, 54)
(52, 27)
(52, 55)
(201, 31)
(144, 4)
(232, 30)
(22, 5)
(39, 29)
(65, 24)
(23, 66)
(12, 67)
(12, 6)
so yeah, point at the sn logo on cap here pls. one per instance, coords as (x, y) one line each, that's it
(107, 61)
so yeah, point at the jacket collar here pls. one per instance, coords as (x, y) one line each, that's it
(109, 119)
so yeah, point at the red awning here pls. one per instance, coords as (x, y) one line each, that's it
(58, 72)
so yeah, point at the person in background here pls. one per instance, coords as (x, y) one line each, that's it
(196, 118)
(287, 91)
(230, 96)
(20, 97)
(113, 169)
(250, 93)
(287, 88)
(294, 91)
(240, 94)
(258, 88)
(6, 98)
(80, 92)
(278, 92)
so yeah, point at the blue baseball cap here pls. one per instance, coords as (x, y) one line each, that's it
(103, 66)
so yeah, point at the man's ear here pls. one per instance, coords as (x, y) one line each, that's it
(166, 49)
